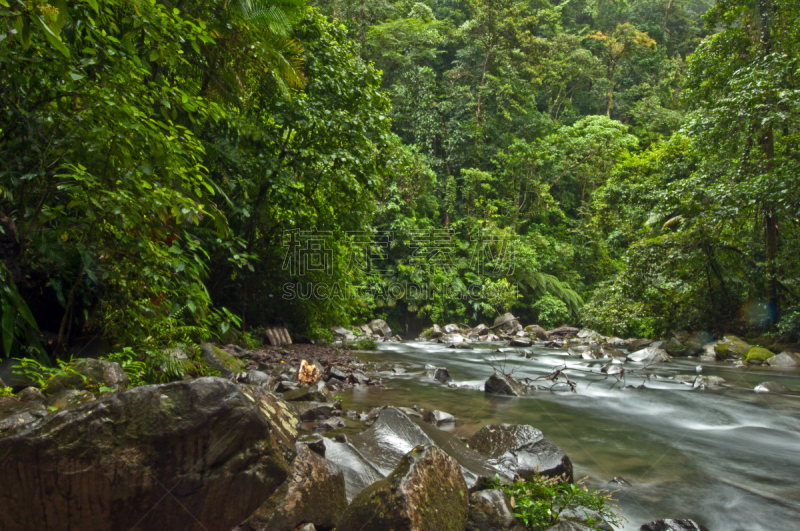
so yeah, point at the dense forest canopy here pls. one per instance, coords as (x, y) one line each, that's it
(175, 171)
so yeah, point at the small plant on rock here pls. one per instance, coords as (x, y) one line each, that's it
(539, 502)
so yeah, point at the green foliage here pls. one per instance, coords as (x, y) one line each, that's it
(16, 319)
(364, 343)
(550, 311)
(539, 501)
(40, 374)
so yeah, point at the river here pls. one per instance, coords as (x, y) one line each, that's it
(727, 457)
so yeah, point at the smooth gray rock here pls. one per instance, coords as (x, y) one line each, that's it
(649, 355)
(785, 360)
(771, 387)
(521, 449)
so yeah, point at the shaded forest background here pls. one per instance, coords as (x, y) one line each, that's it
(628, 166)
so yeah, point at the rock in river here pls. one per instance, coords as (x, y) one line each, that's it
(785, 360)
(200, 454)
(673, 525)
(500, 384)
(521, 449)
(649, 355)
(731, 348)
(771, 387)
(426, 491)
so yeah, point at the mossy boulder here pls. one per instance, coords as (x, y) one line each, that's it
(224, 362)
(425, 492)
(731, 348)
(758, 353)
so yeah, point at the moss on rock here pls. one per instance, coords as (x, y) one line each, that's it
(758, 353)
(731, 348)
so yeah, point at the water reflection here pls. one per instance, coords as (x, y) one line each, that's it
(727, 457)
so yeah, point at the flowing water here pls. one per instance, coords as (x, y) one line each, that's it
(727, 457)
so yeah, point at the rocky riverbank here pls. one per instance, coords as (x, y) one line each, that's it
(246, 452)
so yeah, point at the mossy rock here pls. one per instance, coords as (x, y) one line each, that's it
(731, 348)
(758, 353)
(222, 361)
(88, 375)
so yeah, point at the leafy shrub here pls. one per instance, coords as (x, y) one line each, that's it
(539, 502)
(39, 374)
(551, 312)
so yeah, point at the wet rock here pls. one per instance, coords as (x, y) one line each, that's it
(649, 355)
(731, 348)
(399, 370)
(310, 411)
(567, 525)
(489, 338)
(358, 473)
(342, 334)
(491, 510)
(15, 413)
(707, 382)
(441, 374)
(313, 494)
(500, 384)
(394, 434)
(411, 412)
(436, 331)
(771, 387)
(787, 360)
(538, 332)
(520, 342)
(425, 491)
(104, 465)
(618, 482)
(452, 329)
(88, 375)
(312, 393)
(31, 394)
(673, 525)
(437, 418)
(592, 355)
(638, 344)
(68, 399)
(380, 328)
(521, 449)
(222, 361)
(590, 335)
(358, 377)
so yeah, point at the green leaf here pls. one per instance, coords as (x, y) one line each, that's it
(8, 327)
(52, 38)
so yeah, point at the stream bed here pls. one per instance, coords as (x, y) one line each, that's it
(725, 456)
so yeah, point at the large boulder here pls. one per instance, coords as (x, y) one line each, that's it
(521, 449)
(314, 493)
(673, 525)
(200, 454)
(426, 491)
(538, 332)
(785, 360)
(731, 348)
(452, 329)
(491, 510)
(88, 375)
(675, 347)
(224, 362)
(436, 331)
(501, 384)
(380, 328)
(649, 355)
